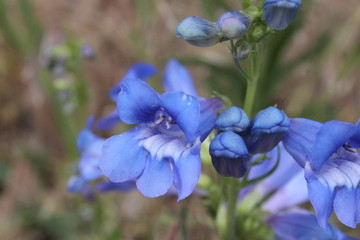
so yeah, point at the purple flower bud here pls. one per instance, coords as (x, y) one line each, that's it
(229, 155)
(198, 32)
(233, 24)
(279, 14)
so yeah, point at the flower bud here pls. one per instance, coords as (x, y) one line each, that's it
(233, 24)
(243, 51)
(229, 155)
(198, 31)
(266, 130)
(279, 14)
(232, 119)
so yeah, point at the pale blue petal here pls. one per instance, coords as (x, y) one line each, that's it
(292, 193)
(157, 177)
(141, 71)
(123, 157)
(108, 122)
(107, 186)
(177, 78)
(301, 138)
(137, 102)
(187, 169)
(331, 136)
(86, 137)
(89, 163)
(185, 111)
(321, 195)
(76, 184)
(347, 207)
(208, 110)
(301, 225)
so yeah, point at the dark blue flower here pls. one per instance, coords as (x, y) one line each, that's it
(278, 14)
(229, 155)
(233, 24)
(331, 161)
(301, 224)
(164, 149)
(198, 31)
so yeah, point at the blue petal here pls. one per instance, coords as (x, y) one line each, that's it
(292, 193)
(346, 206)
(331, 136)
(141, 71)
(301, 138)
(89, 163)
(137, 102)
(123, 157)
(266, 130)
(232, 119)
(185, 110)
(208, 110)
(108, 122)
(86, 137)
(355, 139)
(229, 155)
(177, 78)
(187, 169)
(157, 177)
(301, 225)
(321, 195)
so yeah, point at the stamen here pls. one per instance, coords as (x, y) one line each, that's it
(160, 119)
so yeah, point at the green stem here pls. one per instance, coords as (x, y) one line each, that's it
(231, 210)
(182, 220)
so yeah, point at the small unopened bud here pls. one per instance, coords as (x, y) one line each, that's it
(233, 24)
(278, 14)
(243, 51)
(232, 119)
(198, 31)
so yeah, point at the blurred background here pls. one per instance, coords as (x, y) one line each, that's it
(58, 60)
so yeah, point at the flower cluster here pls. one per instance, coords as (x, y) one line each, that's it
(239, 138)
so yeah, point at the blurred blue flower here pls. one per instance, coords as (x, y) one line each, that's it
(198, 32)
(164, 149)
(331, 161)
(233, 24)
(230, 150)
(301, 224)
(278, 14)
(89, 178)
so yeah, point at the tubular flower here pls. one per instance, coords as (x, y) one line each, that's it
(328, 153)
(278, 14)
(164, 149)
(239, 138)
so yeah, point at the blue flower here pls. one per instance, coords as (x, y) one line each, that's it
(198, 32)
(88, 171)
(233, 24)
(301, 224)
(164, 149)
(239, 138)
(331, 161)
(278, 14)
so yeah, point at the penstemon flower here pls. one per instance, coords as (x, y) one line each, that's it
(328, 153)
(164, 149)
